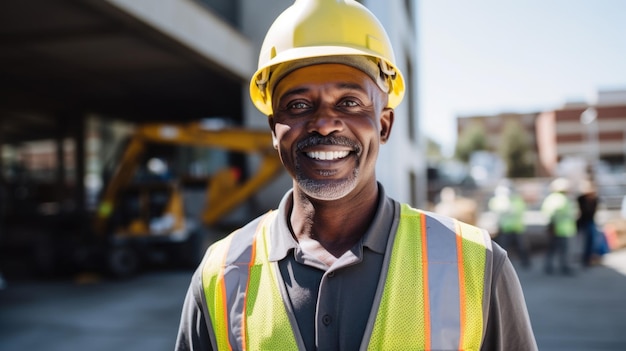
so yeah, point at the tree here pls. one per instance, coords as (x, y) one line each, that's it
(433, 150)
(471, 139)
(516, 150)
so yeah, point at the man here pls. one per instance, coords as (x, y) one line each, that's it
(587, 207)
(339, 265)
(509, 206)
(561, 212)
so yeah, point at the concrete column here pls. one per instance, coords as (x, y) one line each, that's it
(61, 174)
(78, 134)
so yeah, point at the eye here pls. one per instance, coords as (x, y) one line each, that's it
(297, 105)
(349, 103)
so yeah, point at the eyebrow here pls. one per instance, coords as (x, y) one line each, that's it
(294, 91)
(351, 86)
(344, 86)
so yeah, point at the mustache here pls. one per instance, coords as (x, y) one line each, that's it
(315, 140)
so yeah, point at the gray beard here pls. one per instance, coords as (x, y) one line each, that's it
(327, 189)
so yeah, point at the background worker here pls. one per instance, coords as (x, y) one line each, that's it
(340, 265)
(591, 237)
(561, 212)
(509, 206)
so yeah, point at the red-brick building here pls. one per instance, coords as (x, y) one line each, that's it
(597, 137)
(565, 133)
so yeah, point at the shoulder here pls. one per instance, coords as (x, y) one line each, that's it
(232, 242)
(443, 229)
(500, 257)
(453, 224)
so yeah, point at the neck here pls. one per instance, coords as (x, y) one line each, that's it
(332, 227)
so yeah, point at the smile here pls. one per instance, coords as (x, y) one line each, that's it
(327, 155)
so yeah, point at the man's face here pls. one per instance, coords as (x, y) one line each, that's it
(329, 121)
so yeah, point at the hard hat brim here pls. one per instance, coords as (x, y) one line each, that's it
(262, 100)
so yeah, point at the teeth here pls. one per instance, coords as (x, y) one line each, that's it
(327, 155)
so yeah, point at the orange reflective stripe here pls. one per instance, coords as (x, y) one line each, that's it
(432, 298)
(443, 266)
(214, 290)
(427, 326)
(226, 276)
(475, 246)
(461, 270)
(268, 319)
(244, 334)
(244, 328)
(222, 287)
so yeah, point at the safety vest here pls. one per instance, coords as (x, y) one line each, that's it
(510, 210)
(433, 296)
(562, 214)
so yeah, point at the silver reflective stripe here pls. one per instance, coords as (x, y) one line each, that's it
(487, 241)
(443, 283)
(236, 274)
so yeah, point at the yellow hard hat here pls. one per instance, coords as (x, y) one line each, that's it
(326, 31)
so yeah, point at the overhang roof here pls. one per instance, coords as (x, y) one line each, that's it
(63, 59)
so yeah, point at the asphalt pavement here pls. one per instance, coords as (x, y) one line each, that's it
(138, 314)
(586, 311)
(582, 312)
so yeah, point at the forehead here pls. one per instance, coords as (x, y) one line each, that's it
(330, 74)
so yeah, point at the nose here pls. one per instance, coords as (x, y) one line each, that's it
(325, 122)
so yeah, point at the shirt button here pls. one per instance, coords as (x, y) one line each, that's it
(326, 320)
(331, 274)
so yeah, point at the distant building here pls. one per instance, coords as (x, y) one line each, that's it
(592, 134)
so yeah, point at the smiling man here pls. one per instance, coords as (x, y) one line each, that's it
(340, 265)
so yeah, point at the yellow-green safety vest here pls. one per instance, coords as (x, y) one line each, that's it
(433, 297)
(510, 210)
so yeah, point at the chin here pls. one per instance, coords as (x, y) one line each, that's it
(327, 190)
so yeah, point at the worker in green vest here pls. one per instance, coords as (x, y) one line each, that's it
(340, 265)
(561, 213)
(509, 206)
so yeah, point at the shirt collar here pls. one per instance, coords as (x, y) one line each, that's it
(375, 238)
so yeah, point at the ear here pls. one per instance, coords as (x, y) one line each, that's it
(272, 124)
(386, 122)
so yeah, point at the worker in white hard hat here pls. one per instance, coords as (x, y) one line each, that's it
(510, 207)
(340, 265)
(561, 212)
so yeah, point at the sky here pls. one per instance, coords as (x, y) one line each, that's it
(484, 57)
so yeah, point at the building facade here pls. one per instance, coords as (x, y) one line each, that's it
(577, 141)
(595, 134)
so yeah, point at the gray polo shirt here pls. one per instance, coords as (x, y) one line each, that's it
(331, 305)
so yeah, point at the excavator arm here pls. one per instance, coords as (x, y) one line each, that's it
(224, 192)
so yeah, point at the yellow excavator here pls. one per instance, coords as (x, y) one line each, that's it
(149, 212)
